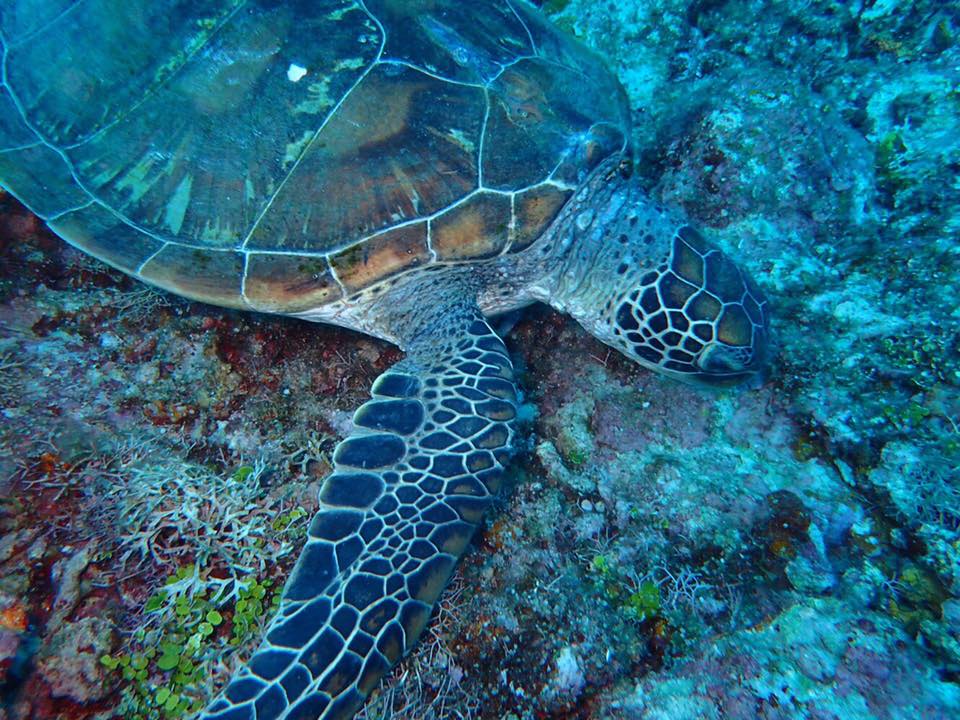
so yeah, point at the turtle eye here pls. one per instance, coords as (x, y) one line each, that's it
(699, 316)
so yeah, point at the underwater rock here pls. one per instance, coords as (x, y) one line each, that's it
(71, 665)
(925, 493)
(809, 577)
(817, 659)
(567, 681)
(9, 644)
(66, 577)
(13, 626)
(16, 541)
(946, 634)
(553, 464)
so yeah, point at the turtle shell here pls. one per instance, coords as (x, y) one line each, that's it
(283, 155)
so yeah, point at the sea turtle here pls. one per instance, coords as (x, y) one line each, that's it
(405, 168)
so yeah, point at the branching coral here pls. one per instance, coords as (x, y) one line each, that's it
(139, 303)
(220, 535)
(924, 489)
(169, 512)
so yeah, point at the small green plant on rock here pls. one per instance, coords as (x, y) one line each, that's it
(576, 458)
(638, 599)
(183, 633)
(288, 522)
(644, 603)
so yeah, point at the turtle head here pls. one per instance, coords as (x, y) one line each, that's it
(672, 302)
(696, 315)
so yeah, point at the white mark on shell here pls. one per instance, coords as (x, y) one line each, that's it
(295, 72)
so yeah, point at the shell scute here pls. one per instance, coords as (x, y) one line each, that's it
(212, 276)
(290, 283)
(200, 157)
(20, 19)
(552, 43)
(13, 133)
(70, 97)
(401, 146)
(543, 121)
(535, 209)
(475, 229)
(381, 257)
(38, 174)
(466, 42)
(96, 230)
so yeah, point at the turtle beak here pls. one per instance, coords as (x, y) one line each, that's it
(721, 364)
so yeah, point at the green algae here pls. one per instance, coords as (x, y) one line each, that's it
(645, 602)
(182, 635)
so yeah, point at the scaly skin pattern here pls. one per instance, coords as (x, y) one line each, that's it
(632, 273)
(651, 286)
(410, 484)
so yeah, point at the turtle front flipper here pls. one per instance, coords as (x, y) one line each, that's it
(410, 485)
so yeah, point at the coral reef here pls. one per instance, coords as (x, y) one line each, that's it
(160, 460)
(789, 549)
(815, 660)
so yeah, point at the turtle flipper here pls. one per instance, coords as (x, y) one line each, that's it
(409, 486)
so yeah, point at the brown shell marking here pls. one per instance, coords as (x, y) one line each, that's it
(535, 209)
(735, 327)
(687, 263)
(289, 283)
(475, 229)
(212, 276)
(198, 159)
(381, 257)
(390, 154)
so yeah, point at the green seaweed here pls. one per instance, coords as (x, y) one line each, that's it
(242, 473)
(184, 633)
(637, 600)
(645, 602)
(576, 458)
(890, 165)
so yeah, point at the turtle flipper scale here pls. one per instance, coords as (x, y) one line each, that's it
(410, 484)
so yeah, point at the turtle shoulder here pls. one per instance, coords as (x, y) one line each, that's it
(279, 156)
